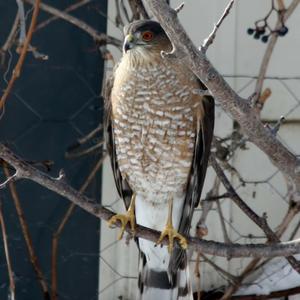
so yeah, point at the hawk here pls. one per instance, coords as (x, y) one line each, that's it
(158, 130)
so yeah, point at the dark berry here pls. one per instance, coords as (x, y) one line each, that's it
(283, 31)
(250, 31)
(265, 38)
(261, 30)
(256, 35)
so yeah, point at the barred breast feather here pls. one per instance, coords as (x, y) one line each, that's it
(155, 110)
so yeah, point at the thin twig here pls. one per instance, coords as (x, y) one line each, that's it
(68, 9)
(71, 150)
(101, 38)
(268, 53)
(118, 18)
(12, 286)
(63, 222)
(273, 295)
(179, 8)
(253, 265)
(25, 230)
(201, 230)
(229, 276)
(87, 137)
(17, 70)
(21, 13)
(82, 152)
(134, 10)
(125, 12)
(212, 35)
(223, 225)
(9, 179)
(142, 10)
(281, 5)
(10, 39)
(197, 273)
(259, 221)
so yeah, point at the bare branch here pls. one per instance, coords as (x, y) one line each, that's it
(219, 269)
(9, 179)
(212, 35)
(201, 228)
(138, 10)
(124, 9)
(68, 9)
(179, 8)
(281, 5)
(101, 38)
(21, 13)
(18, 67)
(142, 9)
(274, 295)
(223, 225)
(25, 230)
(259, 221)
(276, 127)
(268, 53)
(82, 152)
(237, 107)
(10, 39)
(195, 244)
(12, 285)
(73, 149)
(62, 224)
(287, 219)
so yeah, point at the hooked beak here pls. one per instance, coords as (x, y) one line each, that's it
(128, 43)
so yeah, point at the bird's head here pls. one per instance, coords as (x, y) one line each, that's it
(145, 38)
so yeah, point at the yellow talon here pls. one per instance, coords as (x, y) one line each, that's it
(124, 219)
(171, 232)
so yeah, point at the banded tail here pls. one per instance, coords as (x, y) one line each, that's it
(160, 284)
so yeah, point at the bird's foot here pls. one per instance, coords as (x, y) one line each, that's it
(172, 235)
(124, 219)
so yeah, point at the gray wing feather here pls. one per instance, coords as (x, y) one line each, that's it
(196, 179)
(122, 185)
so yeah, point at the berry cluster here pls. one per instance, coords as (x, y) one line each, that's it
(263, 30)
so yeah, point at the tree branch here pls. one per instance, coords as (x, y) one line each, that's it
(56, 235)
(272, 295)
(27, 237)
(59, 186)
(268, 53)
(12, 286)
(21, 13)
(18, 67)
(68, 9)
(212, 35)
(97, 36)
(259, 221)
(239, 108)
(252, 265)
(10, 39)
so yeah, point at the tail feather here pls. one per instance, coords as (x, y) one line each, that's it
(155, 285)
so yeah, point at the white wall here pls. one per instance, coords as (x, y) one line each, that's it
(233, 53)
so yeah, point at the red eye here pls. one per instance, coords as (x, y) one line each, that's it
(147, 36)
